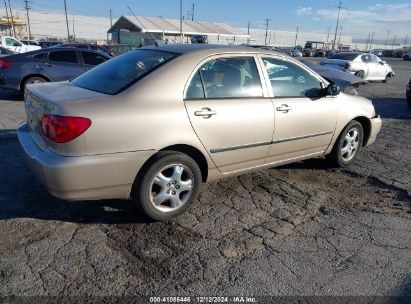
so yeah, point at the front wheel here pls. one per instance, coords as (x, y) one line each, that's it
(387, 78)
(348, 145)
(32, 80)
(360, 74)
(168, 186)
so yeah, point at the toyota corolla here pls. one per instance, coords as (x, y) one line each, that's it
(154, 124)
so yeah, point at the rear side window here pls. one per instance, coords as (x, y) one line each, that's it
(344, 56)
(91, 58)
(231, 78)
(195, 89)
(63, 56)
(118, 73)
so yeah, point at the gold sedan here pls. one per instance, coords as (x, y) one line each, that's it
(154, 124)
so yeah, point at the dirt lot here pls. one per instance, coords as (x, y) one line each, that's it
(301, 229)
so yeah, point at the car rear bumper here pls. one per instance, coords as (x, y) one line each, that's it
(106, 176)
(376, 123)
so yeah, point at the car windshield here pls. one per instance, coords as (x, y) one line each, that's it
(344, 56)
(119, 73)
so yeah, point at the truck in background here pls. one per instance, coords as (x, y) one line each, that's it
(16, 46)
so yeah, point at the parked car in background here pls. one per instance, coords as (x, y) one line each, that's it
(363, 65)
(47, 44)
(16, 46)
(120, 48)
(30, 42)
(5, 52)
(347, 82)
(53, 64)
(199, 39)
(266, 47)
(377, 52)
(92, 47)
(407, 56)
(157, 122)
(408, 92)
(294, 53)
(320, 53)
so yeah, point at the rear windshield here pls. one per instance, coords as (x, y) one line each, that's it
(119, 73)
(344, 56)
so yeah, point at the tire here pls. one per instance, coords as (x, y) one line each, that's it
(344, 152)
(387, 78)
(167, 186)
(360, 74)
(409, 102)
(406, 58)
(34, 79)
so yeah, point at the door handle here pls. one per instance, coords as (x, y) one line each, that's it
(205, 113)
(284, 108)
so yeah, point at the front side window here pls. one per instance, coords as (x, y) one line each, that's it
(63, 56)
(289, 80)
(118, 73)
(91, 58)
(231, 78)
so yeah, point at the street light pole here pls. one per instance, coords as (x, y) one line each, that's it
(296, 36)
(266, 30)
(386, 40)
(336, 27)
(181, 21)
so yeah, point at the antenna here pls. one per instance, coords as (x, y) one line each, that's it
(150, 34)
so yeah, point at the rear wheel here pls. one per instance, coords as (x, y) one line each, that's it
(360, 74)
(32, 80)
(348, 145)
(168, 186)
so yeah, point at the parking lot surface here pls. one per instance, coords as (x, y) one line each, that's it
(300, 229)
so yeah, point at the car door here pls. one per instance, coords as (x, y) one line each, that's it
(379, 68)
(304, 120)
(62, 65)
(91, 59)
(227, 109)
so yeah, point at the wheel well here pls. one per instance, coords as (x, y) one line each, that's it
(29, 76)
(195, 154)
(366, 126)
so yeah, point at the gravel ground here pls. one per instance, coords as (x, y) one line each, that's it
(300, 229)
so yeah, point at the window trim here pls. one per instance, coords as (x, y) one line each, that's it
(263, 83)
(63, 62)
(323, 81)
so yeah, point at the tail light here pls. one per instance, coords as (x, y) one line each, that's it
(4, 64)
(62, 129)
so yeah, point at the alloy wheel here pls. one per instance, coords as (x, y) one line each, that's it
(350, 145)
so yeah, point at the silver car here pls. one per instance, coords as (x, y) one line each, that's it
(157, 122)
(364, 65)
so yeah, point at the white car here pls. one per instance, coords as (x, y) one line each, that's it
(364, 65)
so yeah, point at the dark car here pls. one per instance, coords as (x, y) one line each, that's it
(199, 39)
(408, 92)
(267, 47)
(47, 44)
(346, 82)
(92, 47)
(52, 64)
(320, 53)
(121, 48)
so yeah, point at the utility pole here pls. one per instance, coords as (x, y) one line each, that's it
(12, 21)
(393, 41)
(405, 41)
(336, 27)
(328, 34)
(339, 38)
(7, 14)
(68, 31)
(386, 40)
(192, 12)
(368, 40)
(111, 18)
(266, 30)
(248, 28)
(181, 21)
(28, 17)
(74, 33)
(372, 39)
(296, 36)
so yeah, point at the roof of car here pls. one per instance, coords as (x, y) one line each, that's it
(191, 48)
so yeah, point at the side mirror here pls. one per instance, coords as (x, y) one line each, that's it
(333, 90)
(382, 62)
